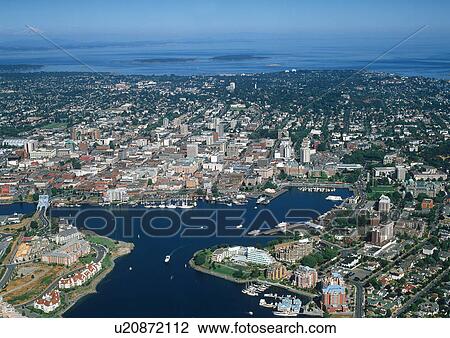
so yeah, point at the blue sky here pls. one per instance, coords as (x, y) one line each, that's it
(147, 19)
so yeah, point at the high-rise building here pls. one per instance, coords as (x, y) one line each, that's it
(82, 133)
(384, 204)
(305, 151)
(293, 251)
(382, 233)
(335, 278)
(220, 129)
(305, 277)
(165, 122)
(232, 150)
(286, 149)
(276, 271)
(29, 146)
(401, 172)
(231, 87)
(334, 298)
(258, 256)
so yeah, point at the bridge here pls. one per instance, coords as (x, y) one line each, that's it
(44, 203)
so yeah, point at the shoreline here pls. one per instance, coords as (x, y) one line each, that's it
(92, 287)
(283, 188)
(307, 294)
(78, 293)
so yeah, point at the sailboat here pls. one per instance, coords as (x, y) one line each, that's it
(185, 205)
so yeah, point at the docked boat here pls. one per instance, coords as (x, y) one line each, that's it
(254, 232)
(262, 200)
(262, 287)
(282, 226)
(284, 313)
(185, 205)
(251, 290)
(333, 198)
(263, 303)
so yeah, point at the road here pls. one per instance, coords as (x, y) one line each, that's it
(43, 218)
(100, 251)
(9, 265)
(7, 275)
(359, 300)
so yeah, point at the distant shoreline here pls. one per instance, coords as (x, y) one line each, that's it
(19, 68)
(274, 68)
(163, 60)
(238, 57)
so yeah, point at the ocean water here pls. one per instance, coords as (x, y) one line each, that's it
(419, 56)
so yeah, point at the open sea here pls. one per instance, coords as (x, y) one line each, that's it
(422, 55)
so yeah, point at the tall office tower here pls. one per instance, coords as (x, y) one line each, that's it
(382, 233)
(220, 129)
(401, 172)
(165, 122)
(384, 204)
(286, 149)
(30, 146)
(305, 151)
(231, 87)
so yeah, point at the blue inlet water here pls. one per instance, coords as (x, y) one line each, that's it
(422, 55)
(155, 289)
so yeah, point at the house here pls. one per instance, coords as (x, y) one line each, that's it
(81, 277)
(427, 203)
(49, 302)
(428, 250)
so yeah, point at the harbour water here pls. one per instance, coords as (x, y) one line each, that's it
(152, 288)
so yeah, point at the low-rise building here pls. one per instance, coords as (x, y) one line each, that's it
(81, 277)
(49, 302)
(68, 253)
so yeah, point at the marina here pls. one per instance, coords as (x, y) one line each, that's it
(164, 284)
(282, 305)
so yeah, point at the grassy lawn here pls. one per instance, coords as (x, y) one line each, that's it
(109, 243)
(380, 190)
(55, 125)
(87, 259)
(224, 269)
(383, 188)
